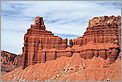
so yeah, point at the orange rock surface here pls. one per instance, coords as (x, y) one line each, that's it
(38, 38)
(101, 39)
(93, 56)
(68, 68)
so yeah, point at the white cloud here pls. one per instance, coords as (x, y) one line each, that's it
(68, 17)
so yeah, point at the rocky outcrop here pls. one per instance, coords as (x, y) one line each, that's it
(9, 61)
(104, 29)
(93, 56)
(38, 38)
(101, 39)
(103, 35)
(68, 69)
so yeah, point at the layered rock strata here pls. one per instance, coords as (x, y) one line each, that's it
(104, 32)
(38, 38)
(101, 39)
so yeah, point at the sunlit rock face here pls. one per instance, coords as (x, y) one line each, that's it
(93, 56)
(101, 39)
(105, 29)
(36, 40)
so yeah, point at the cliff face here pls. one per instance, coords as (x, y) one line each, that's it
(9, 61)
(93, 56)
(105, 29)
(38, 38)
(101, 38)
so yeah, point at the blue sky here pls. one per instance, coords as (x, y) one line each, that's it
(68, 19)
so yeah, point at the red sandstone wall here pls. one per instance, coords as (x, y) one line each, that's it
(101, 39)
(101, 30)
(38, 38)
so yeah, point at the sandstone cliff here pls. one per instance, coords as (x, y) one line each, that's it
(101, 38)
(9, 61)
(38, 38)
(93, 56)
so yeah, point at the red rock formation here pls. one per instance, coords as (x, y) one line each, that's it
(9, 61)
(85, 58)
(102, 30)
(68, 68)
(38, 38)
(101, 39)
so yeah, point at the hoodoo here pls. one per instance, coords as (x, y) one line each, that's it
(101, 39)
